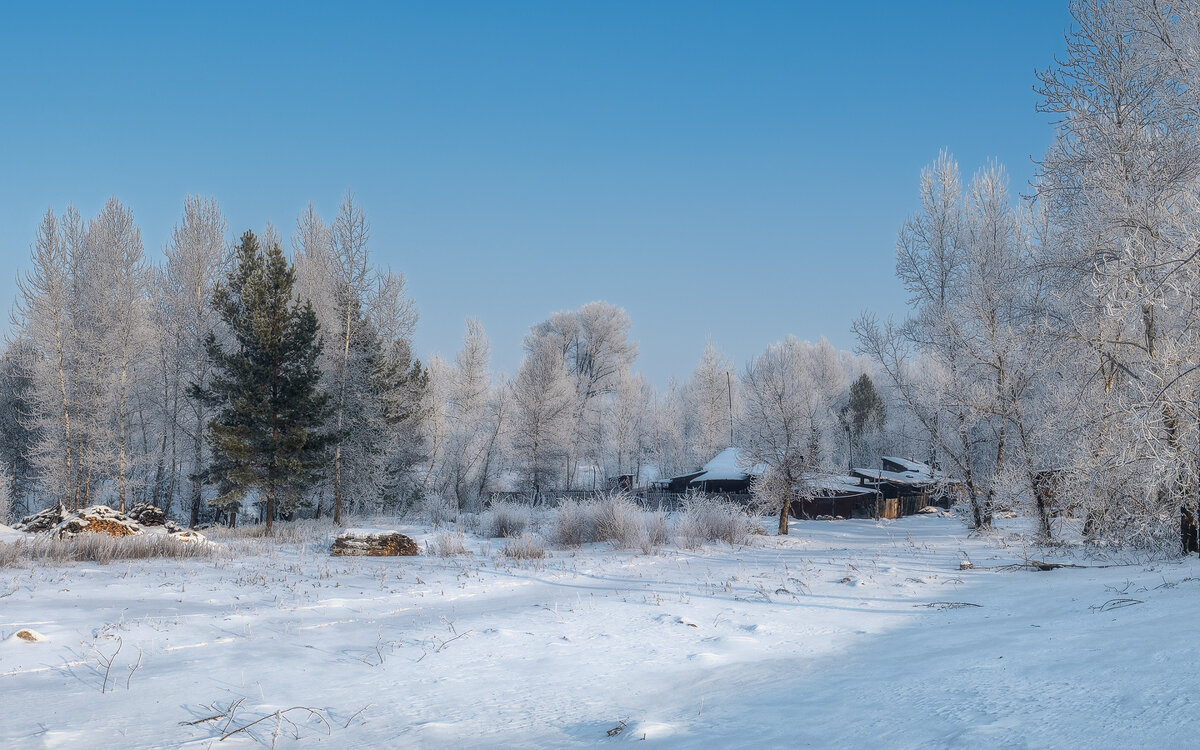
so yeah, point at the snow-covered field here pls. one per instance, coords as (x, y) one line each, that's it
(826, 638)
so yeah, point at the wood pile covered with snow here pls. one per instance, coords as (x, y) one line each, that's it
(101, 519)
(373, 543)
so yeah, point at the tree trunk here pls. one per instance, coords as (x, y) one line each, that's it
(197, 487)
(1189, 531)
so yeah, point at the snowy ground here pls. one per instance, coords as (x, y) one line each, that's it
(821, 639)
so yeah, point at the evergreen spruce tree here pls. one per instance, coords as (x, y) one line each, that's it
(270, 434)
(864, 412)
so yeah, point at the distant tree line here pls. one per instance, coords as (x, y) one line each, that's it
(229, 372)
(1050, 361)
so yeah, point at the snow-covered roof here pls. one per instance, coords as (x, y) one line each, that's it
(915, 467)
(897, 477)
(727, 466)
(834, 484)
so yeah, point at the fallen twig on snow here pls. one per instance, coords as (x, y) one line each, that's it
(1112, 604)
(947, 605)
(280, 715)
(1040, 565)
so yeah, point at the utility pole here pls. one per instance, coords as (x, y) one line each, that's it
(729, 392)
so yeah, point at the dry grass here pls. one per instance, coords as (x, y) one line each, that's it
(448, 544)
(607, 518)
(658, 531)
(306, 531)
(101, 548)
(524, 547)
(706, 519)
(505, 520)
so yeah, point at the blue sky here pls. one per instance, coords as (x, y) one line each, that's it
(734, 171)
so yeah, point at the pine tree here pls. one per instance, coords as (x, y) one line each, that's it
(269, 436)
(864, 411)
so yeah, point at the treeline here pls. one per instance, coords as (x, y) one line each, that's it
(220, 372)
(1051, 360)
(229, 372)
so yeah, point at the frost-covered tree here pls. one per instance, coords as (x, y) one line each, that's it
(1119, 187)
(544, 415)
(195, 257)
(631, 423)
(45, 313)
(965, 261)
(118, 279)
(778, 425)
(472, 423)
(710, 401)
(593, 343)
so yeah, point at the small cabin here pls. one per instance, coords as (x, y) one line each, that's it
(727, 473)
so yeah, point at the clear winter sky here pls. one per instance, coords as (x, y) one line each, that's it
(734, 171)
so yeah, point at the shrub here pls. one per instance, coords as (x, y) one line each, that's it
(524, 547)
(606, 518)
(448, 544)
(436, 510)
(504, 520)
(618, 520)
(706, 519)
(658, 531)
(573, 523)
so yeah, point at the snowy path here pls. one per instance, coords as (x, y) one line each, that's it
(814, 640)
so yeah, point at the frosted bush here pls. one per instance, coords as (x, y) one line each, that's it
(607, 518)
(435, 510)
(618, 520)
(304, 531)
(658, 531)
(504, 520)
(706, 519)
(524, 547)
(448, 544)
(573, 523)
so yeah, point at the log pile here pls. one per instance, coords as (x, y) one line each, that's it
(148, 515)
(97, 519)
(43, 521)
(101, 519)
(373, 544)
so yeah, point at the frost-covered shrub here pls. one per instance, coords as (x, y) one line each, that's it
(606, 518)
(618, 520)
(707, 519)
(504, 520)
(448, 544)
(524, 547)
(658, 531)
(573, 523)
(436, 510)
